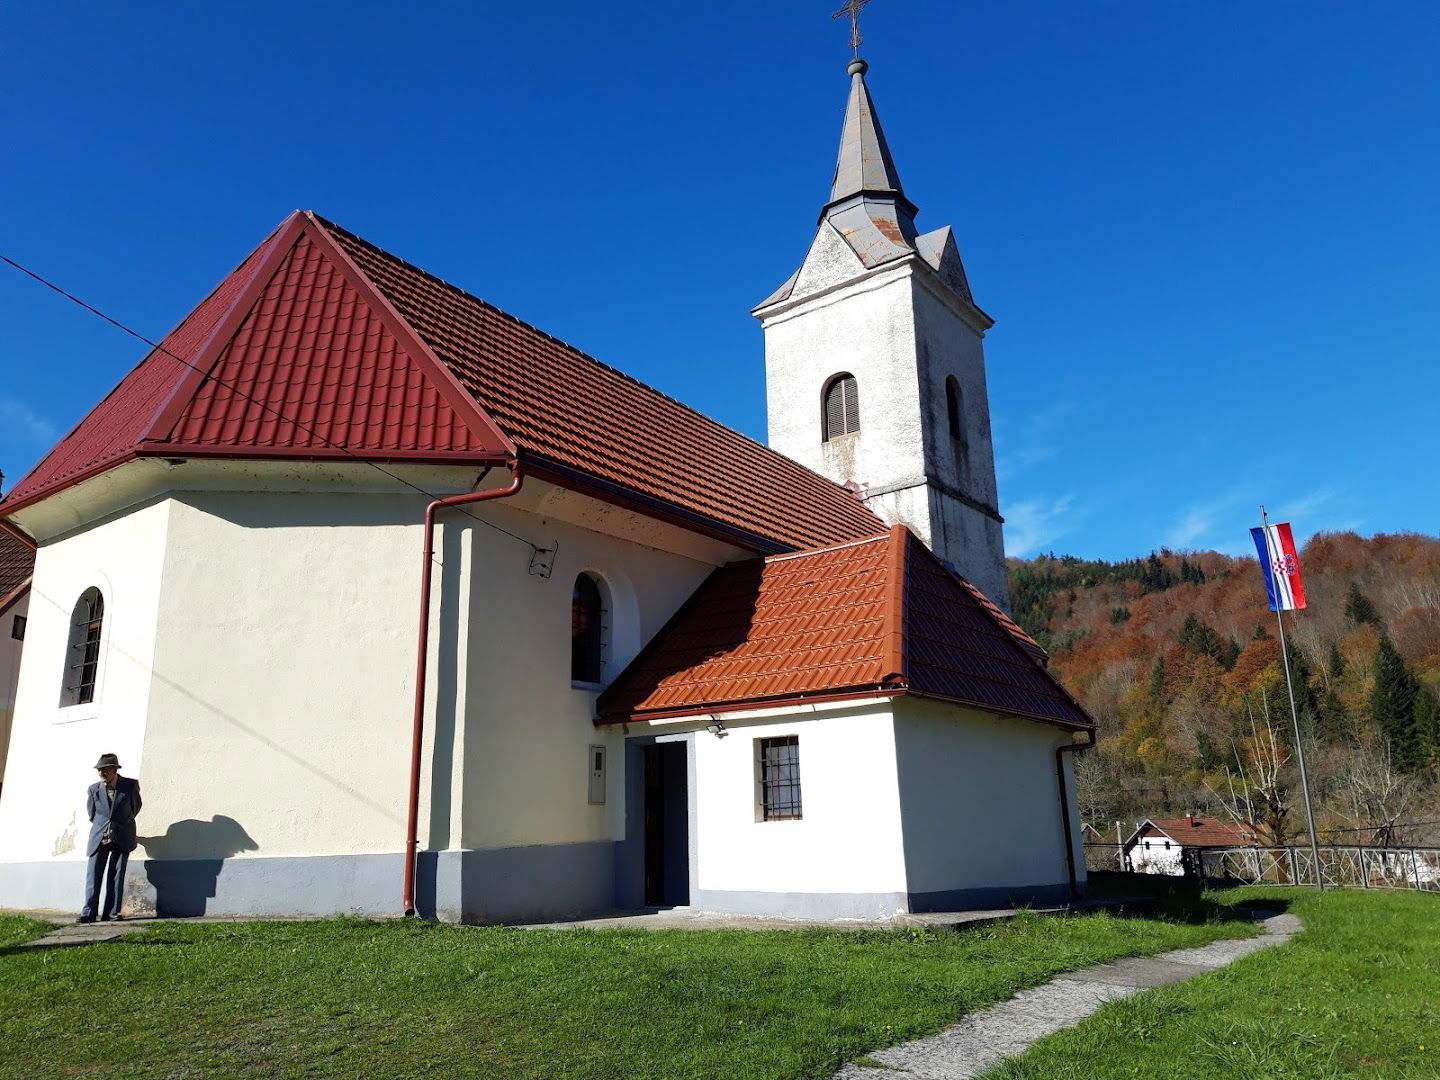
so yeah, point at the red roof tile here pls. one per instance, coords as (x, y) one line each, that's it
(568, 409)
(881, 615)
(17, 564)
(342, 345)
(1199, 832)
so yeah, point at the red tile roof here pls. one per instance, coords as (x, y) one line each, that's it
(17, 564)
(1198, 832)
(879, 616)
(349, 351)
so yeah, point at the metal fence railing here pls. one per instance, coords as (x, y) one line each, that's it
(1348, 866)
(1355, 867)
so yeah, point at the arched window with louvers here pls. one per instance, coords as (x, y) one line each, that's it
(841, 412)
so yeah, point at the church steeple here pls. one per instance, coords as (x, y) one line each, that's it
(874, 358)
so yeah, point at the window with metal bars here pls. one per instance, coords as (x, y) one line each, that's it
(587, 630)
(82, 658)
(778, 765)
(842, 406)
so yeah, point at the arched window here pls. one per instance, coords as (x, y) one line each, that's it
(82, 658)
(587, 630)
(955, 407)
(842, 406)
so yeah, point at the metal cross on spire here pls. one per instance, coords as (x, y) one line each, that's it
(853, 8)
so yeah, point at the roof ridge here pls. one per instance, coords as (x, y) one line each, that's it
(805, 553)
(572, 348)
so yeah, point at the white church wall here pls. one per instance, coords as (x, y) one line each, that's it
(53, 748)
(528, 727)
(284, 675)
(981, 807)
(10, 649)
(865, 328)
(842, 858)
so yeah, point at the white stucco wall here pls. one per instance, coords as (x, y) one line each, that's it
(980, 800)
(53, 749)
(10, 649)
(285, 676)
(849, 839)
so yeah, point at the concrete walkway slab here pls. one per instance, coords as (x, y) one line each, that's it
(1010, 1028)
(85, 934)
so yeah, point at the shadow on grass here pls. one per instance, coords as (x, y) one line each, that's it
(1174, 899)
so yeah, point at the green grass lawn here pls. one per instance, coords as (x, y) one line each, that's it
(353, 998)
(16, 928)
(1357, 994)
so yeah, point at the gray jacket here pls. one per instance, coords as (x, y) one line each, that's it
(120, 815)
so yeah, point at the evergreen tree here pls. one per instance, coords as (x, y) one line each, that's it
(1332, 722)
(1336, 662)
(1157, 687)
(1261, 634)
(1229, 654)
(1392, 706)
(1359, 609)
(1427, 726)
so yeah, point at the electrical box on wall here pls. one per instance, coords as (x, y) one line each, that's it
(597, 774)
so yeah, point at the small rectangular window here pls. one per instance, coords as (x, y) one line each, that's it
(17, 628)
(778, 766)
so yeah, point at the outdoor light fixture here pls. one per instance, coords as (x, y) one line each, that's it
(716, 727)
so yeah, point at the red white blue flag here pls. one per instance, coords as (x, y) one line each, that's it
(1281, 565)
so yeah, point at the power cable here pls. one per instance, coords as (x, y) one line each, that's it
(534, 548)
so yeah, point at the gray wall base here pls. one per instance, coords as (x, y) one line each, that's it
(990, 898)
(794, 905)
(536, 883)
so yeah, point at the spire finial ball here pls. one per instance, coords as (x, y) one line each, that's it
(857, 67)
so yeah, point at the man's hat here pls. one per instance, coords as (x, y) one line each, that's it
(108, 761)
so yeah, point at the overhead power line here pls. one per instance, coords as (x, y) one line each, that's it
(534, 548)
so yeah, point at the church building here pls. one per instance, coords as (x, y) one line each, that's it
(393, 602)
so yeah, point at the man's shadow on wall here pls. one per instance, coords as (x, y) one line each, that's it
(184, 865)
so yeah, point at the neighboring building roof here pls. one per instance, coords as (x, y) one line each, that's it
(878, 616)
(1196, 832)
(17, 564)
(349, 352)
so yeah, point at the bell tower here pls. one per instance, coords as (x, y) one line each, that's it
(875, 363)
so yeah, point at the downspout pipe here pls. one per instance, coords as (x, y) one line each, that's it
(1069, 748)
(412, 817)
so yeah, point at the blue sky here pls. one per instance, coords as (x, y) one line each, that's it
(1209, 233)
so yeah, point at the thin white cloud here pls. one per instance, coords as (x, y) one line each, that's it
(1040, 438)
(1200, 520)
(1033, 525)
(20, 423)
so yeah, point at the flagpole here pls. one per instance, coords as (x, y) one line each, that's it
(1299, 741)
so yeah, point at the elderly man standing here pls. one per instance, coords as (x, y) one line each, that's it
(111, 804)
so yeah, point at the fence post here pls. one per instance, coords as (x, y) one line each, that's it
(1364, 877)
(1415, 867)
(1294, 866)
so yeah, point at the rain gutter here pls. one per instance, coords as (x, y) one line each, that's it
(412, 817)
(1069, 748)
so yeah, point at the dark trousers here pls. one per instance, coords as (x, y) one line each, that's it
(108, 863)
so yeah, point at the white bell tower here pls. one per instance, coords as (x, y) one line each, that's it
(875, 362)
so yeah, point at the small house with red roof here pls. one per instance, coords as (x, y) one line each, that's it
(1158, 845)
(393, 602)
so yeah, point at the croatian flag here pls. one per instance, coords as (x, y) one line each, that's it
(1282, 567)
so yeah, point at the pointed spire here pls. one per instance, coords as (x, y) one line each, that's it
(864, 165)
(867, 204)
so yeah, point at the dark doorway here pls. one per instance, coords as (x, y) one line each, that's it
(667, 825)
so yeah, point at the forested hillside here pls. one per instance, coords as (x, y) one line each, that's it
(1177, 657)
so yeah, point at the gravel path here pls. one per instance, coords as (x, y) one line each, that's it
(985, 1038)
